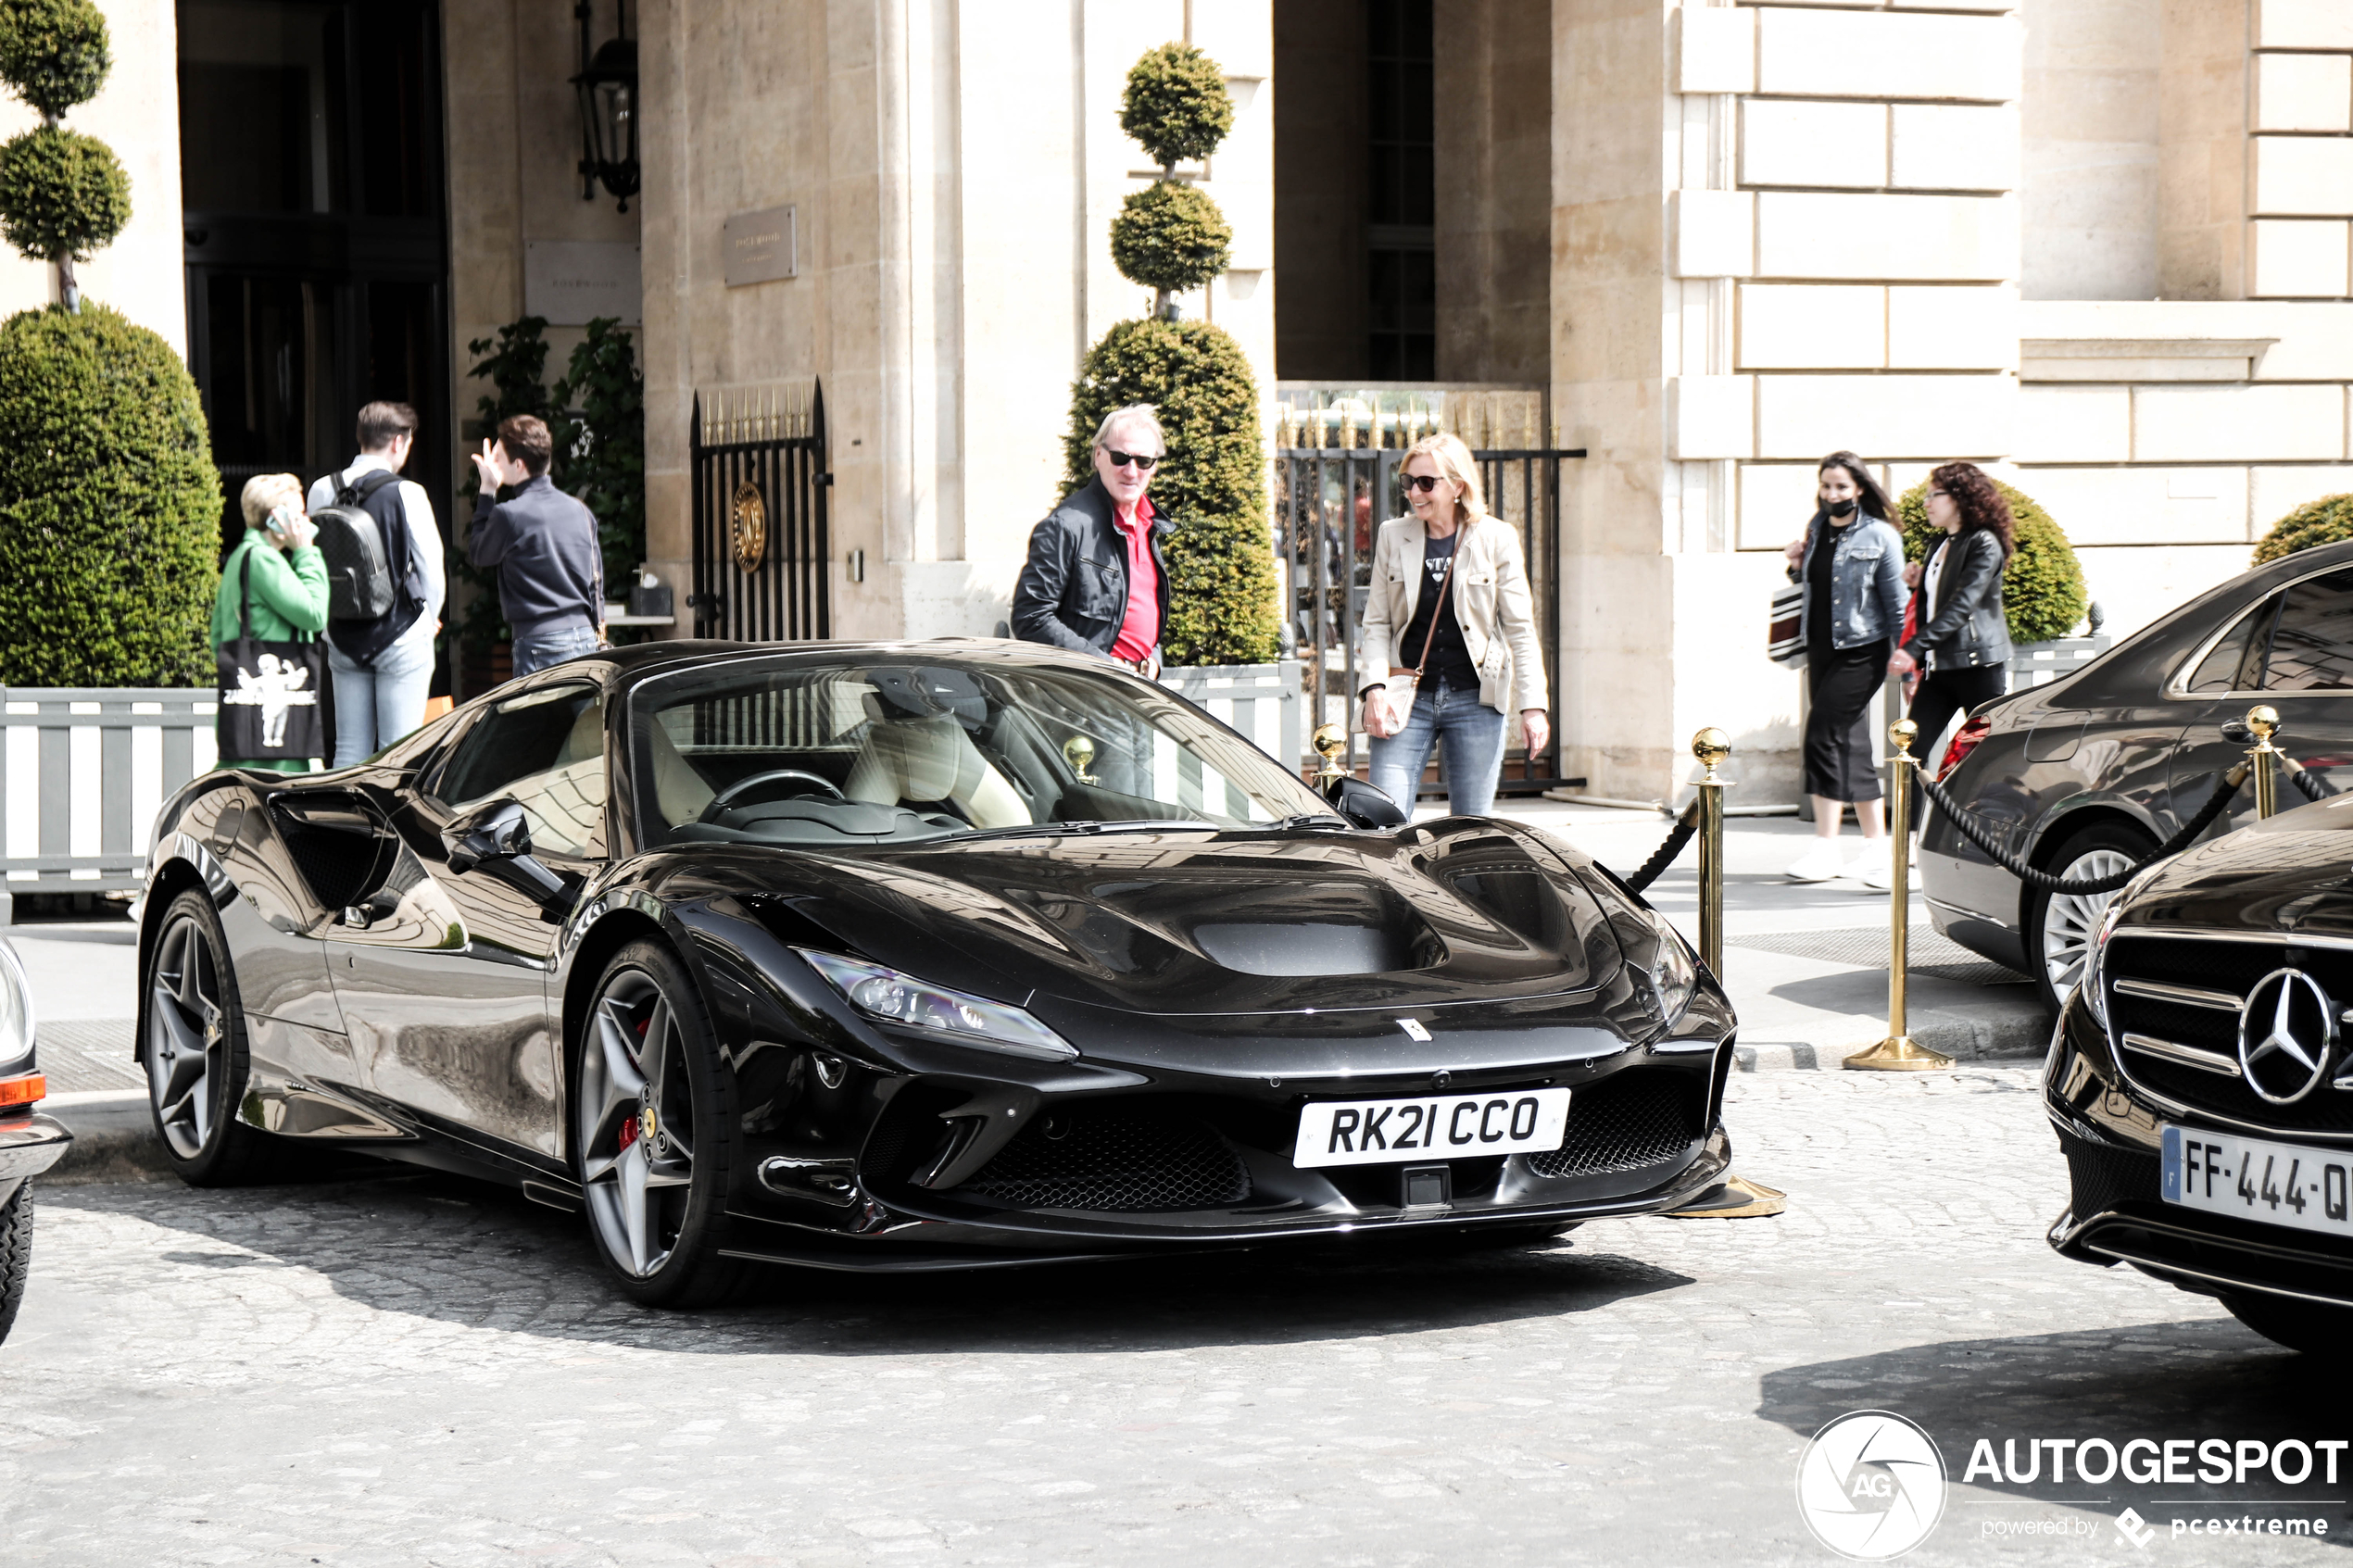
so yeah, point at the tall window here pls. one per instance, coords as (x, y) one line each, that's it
(1401, 252)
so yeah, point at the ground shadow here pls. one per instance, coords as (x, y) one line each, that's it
(2194, 1379)
(445, 1248)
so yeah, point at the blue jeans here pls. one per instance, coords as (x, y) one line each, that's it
(1470, 760)
(536, 650)
(374, 708)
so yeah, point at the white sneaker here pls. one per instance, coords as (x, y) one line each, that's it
(1877, 874)
(1820, 864)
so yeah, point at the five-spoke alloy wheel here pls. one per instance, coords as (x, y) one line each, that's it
(651, 1143)
(194, 1049)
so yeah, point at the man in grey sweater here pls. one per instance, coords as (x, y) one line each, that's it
(551, 571)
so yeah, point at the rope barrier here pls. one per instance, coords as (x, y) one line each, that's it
(1680, 835)
(1988, 840)
(2314, 786)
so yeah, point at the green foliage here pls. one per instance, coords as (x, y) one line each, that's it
(1177, 104)
(1212, 485)
(2324, 521)
(600, 446)
(2043, 593)
(1171, 237)
(53, 52)
(109, 507)
(62, 194)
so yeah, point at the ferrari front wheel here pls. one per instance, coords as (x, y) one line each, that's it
(652, 1137)
(195, 1053)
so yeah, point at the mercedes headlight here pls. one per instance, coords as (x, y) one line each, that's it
(16, 1014)
(1673, 974)
(888, 996)
(2093, 981)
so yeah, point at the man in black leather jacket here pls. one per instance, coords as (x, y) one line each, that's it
(1095, 580)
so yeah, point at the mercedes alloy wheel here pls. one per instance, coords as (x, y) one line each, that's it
(2060, 925)
(194, 1050)
(651, 1142)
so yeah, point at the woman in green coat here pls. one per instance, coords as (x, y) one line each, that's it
(289, 579)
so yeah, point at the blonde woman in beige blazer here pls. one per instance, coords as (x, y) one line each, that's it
(1449, 601)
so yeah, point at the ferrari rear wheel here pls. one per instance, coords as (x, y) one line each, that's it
(652, 1136)
(2325, 1332)
(195, 1051)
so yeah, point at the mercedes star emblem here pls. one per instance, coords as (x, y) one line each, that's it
(2287, 1032)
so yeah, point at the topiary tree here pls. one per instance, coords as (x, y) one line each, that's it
(2324, 521)
(2043, 594)
(1212, 487)
(109, 507)
(600, 443)
(63, 196)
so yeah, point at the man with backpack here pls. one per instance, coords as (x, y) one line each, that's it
(543, 545)
(385, 586)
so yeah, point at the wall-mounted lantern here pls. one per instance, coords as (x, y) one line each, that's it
(608, 89)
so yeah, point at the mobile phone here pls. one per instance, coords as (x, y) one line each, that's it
(284, 519)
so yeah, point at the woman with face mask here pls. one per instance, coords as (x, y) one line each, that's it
(1851, 561)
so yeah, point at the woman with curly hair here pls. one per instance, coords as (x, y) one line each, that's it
(1963, 645)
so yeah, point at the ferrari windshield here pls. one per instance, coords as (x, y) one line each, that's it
(811, 750)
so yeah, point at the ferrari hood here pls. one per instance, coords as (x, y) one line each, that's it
(1198, 923)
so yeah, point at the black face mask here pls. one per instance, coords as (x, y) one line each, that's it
(1840, 508)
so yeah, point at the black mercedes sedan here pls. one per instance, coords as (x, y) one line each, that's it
(2086, 775)
(2201, 1079)
(911, 956)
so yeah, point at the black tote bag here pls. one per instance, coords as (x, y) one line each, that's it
(269, 690)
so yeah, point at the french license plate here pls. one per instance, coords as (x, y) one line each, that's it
(2279, 1184)
(1385, 1132)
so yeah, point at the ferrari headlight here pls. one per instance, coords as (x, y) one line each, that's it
(1673, 975)
(892, 998)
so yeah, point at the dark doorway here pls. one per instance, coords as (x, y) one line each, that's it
(1355, 191)
(311, 173)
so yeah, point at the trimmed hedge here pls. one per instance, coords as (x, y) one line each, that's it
(2326, 522)
(62, 194)
(109, 507)
(54, 53)
(1175, 103)
(1170, 237)
(2043, 593)
(1211, 486)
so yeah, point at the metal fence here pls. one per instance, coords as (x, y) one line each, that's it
(1261, 700)
(82, 773)
(763, 560)
(1330, 504)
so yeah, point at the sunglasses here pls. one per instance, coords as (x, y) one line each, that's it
(1424, 483)
(1121, 459)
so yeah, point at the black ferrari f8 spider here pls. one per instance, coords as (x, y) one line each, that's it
(911, 956)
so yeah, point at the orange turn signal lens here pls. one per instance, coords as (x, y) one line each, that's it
(24, 1090)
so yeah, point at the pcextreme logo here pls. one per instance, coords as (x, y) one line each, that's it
(1870, 1485)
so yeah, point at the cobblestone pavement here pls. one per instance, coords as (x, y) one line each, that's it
(411, 1369)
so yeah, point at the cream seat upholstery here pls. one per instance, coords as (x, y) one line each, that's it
(679, 793)
(924, 759)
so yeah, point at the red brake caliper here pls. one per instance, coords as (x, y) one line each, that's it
(629, 1129)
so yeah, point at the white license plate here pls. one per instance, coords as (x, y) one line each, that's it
(2279, 1184)
(1389, 1132)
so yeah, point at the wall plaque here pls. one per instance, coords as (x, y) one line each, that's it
(572, 281)
(762, 246)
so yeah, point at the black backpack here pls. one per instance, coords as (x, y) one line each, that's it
(364, 539)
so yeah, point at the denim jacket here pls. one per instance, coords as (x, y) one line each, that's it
(1868, 594)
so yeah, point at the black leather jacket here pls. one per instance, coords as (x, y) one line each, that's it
(1966, 629)
(1072, 591)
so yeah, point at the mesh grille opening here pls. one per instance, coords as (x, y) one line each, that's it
(2101, 1177)
(1623, 1123)
(1116, 1164)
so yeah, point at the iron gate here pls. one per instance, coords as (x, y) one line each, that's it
(763, 556)
(1330, 504)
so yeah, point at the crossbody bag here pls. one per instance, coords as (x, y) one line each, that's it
(1403, 684)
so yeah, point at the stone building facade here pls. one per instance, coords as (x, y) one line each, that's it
(2105, 245)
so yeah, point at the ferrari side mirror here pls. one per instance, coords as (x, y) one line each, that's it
(1364, 805)
(495, 839)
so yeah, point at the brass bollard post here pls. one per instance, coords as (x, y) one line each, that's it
(1899, 1053)
(2264, 721)
(1711, 747)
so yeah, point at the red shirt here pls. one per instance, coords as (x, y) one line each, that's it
(1140, 633)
